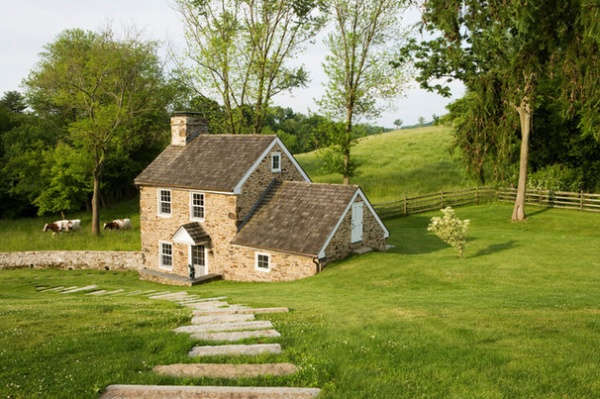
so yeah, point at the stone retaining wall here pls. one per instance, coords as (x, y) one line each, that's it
(69, 260)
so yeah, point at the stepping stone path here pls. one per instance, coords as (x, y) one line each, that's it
(214, 320)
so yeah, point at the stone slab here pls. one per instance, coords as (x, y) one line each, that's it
(54, 289)
(170, 296)
(86, 288)
(244, 325)
(233, 336)
(207, 305)
(242, 310)
(235, 350)
(222, 318)
(199, 392)
(100, 292)
(213, 370)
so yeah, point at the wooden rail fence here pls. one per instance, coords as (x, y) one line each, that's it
(434, 202)
(554, 199)
(474, 196)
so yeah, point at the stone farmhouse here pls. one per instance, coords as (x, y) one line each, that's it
(240, 207)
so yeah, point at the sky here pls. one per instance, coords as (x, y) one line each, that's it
(26, 26)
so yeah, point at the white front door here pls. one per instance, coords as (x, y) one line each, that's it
(198, 259)
(357, 222)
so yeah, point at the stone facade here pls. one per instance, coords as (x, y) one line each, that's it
(341, 244)
(73, 260)
(283, 266)
(260, 179)
(219, 222)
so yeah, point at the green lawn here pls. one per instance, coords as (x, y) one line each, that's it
(405, 162)
(519, 317)
(27, 235)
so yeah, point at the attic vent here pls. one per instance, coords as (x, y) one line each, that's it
(185, 126)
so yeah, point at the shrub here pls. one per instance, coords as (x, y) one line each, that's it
(450, 229)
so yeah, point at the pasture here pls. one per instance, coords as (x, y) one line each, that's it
(519, 317)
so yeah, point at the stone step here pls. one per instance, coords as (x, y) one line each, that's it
(198, 370)
(200, 300)
(245, 309)
(100, 292)
(244, 325)
(86, 288)
(222, 318)
(208, 305)
(233, 336)
(54, 289)
(172, 296)
(235, 350)
(198, 392)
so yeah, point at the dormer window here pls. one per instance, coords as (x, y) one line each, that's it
(276, 162)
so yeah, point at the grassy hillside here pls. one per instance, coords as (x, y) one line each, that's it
(405, 162)
(519, 317)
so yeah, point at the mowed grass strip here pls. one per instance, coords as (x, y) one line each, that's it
(519, 317)
(408, 162)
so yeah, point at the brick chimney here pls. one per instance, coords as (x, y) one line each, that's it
(185, 126)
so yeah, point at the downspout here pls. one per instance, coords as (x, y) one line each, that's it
(317, 263)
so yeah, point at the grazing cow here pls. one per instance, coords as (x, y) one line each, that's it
(118, 224)
(63, 225)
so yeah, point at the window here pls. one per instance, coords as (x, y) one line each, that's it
(263, 262)
(166, 255)
(197, 206)
(276, 162)
(164, 202)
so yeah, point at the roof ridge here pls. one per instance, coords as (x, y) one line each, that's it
(320, 184)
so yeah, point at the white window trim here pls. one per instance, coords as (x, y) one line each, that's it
(192, 206)
(278, 155)
(159, 202)
(160, 255)
(262, 269)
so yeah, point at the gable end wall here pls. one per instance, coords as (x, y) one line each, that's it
(340, 245)
(260, 179)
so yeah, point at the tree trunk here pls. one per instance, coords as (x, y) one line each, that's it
(524, 110)
(96, 205)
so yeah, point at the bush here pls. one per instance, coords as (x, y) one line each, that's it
(450, 229)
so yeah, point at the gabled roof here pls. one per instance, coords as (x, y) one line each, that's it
(191, 234)
(299, 217)
(209, 162)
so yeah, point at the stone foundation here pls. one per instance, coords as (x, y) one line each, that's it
(72, 260)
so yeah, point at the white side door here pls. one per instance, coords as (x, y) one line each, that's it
(357, 222)
(198, 259)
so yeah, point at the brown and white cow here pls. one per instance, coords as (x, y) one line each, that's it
(63, 225)
(118, 224)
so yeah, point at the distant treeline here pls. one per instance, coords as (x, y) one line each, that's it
(40, 173)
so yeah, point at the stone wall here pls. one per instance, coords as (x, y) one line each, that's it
(219, 222)
(284, 267)
(260, 179)
(67, 260)
(341, 246)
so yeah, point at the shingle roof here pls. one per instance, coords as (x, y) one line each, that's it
(196, 232)
(209, 162)
(297, 217)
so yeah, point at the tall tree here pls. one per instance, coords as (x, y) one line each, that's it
(240, 49)
(495, 46)
(365, 38)
(104, 86)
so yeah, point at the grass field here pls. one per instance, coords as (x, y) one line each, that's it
(519, 317)
(27, 235)
(405, 162)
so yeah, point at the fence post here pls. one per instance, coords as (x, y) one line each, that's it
(405, 206)
(476, 195)
(581, 200)
(442, 200)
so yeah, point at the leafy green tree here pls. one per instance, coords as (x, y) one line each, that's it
(240, 49)
(398, 123)
(365, 39)
(104, 87)
(496, 47)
